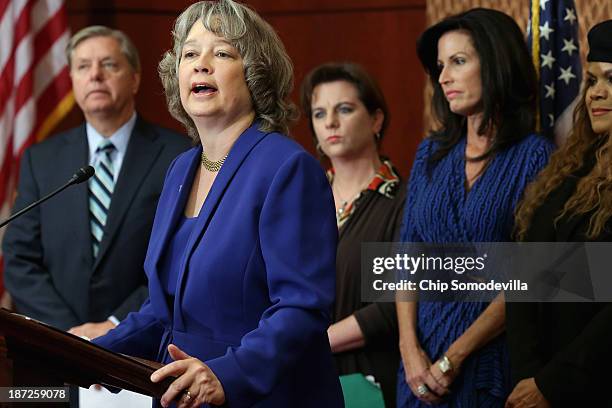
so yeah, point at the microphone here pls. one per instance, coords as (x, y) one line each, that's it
(81, 175)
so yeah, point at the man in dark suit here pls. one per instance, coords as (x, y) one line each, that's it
(76, 261)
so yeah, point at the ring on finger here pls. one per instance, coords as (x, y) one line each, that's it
(187, 395)
(422, 389)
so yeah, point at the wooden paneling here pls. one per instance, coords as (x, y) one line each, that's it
(379, 34)
(383, 42)
(261, 6)
(5, 365)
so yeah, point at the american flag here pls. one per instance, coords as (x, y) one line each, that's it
(35, 88)
(553, 40)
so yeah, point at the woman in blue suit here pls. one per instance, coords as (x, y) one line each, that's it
(242, 252)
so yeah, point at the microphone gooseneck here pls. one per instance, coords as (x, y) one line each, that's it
(81, 175)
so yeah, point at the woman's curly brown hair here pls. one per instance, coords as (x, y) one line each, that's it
(594, 191)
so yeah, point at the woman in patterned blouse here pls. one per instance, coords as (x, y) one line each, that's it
(348, 117)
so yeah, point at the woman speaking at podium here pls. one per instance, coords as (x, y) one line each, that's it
(241, 259)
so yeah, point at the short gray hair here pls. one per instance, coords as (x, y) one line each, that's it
(126, 45)
(268, 70)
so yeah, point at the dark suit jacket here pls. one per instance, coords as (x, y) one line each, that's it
(256, 283)
(565, 346)
(49, 266)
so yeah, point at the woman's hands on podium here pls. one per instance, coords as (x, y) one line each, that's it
(195, 384)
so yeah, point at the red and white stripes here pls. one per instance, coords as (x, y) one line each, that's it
(35, 88)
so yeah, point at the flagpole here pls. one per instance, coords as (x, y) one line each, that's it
(535, 52)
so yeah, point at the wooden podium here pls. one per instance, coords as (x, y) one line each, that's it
(40, 355)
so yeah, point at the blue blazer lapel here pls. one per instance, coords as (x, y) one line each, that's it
(171, 207)
(241, 149)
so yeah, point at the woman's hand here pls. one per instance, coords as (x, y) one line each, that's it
(526, 394)
(444, 379)
(417, 367)
(196, 384)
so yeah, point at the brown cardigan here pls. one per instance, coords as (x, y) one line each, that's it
(376, 219)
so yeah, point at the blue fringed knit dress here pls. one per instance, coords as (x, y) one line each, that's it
(440, 210)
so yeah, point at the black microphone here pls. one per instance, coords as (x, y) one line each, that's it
(81, 175)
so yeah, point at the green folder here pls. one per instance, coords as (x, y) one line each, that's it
(360, 393)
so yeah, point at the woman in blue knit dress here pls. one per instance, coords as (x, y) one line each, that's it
(465, 183)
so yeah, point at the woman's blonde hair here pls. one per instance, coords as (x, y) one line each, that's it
(268, 70)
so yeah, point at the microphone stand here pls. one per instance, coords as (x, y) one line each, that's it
(79, 177)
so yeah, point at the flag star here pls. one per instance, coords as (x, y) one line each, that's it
(566, 75)
(547, 59)
(550, 91)
(551, 117)
(545, 31)
(568, 46)
(570, 15)
(543, 4)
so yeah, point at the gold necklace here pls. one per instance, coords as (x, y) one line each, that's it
(212, 166)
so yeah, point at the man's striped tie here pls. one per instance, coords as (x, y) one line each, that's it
(101, 187)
